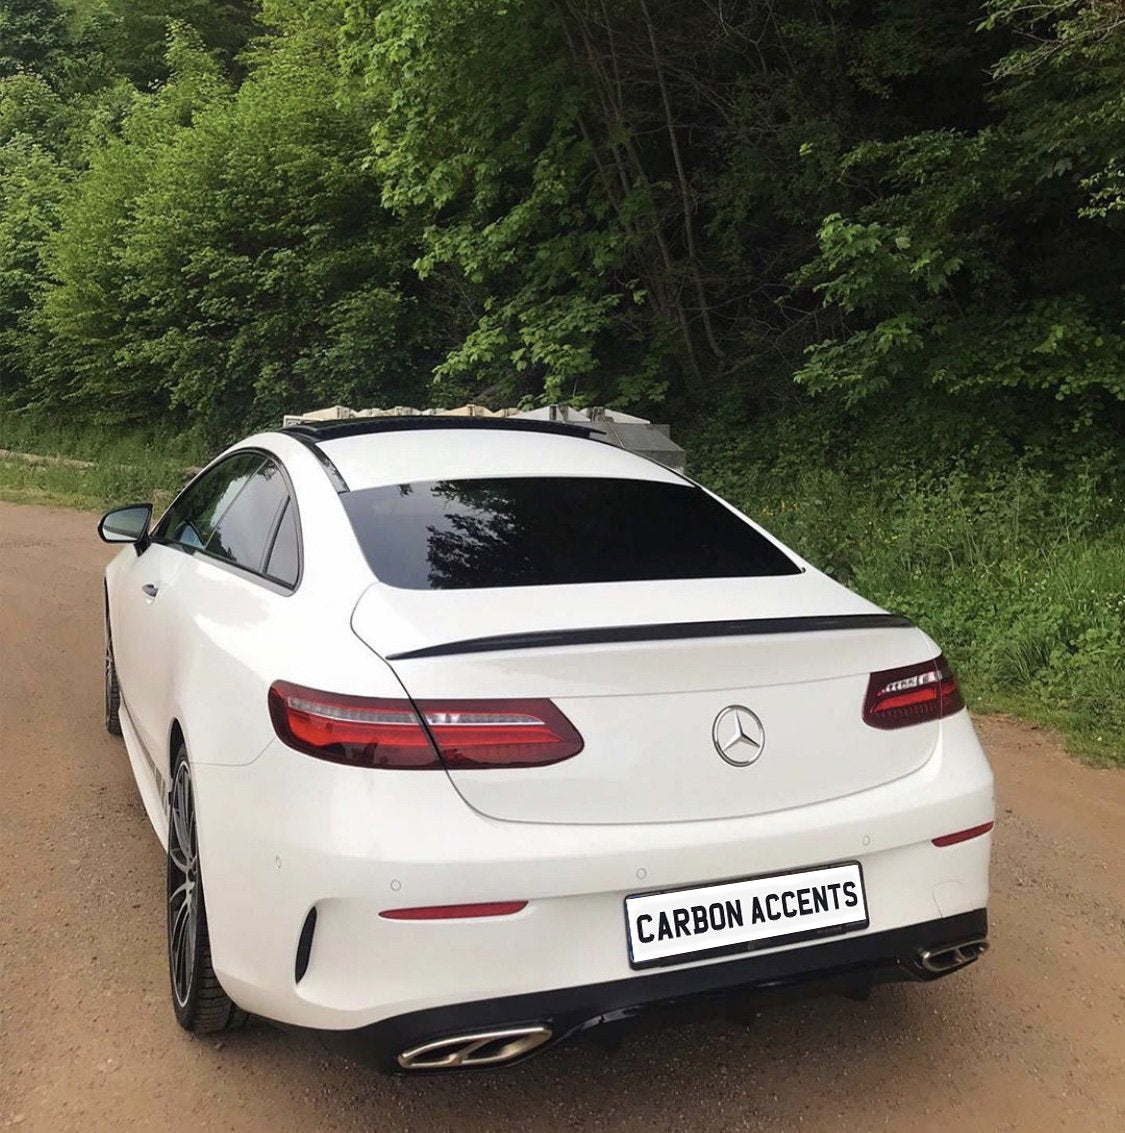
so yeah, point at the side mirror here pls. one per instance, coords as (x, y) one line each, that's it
(126, 525)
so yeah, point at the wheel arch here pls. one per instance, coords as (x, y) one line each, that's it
(105, 608)
(175, 738)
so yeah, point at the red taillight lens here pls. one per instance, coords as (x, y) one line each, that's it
(500, 733)
(897, 698)
(356, 730)
(368, 732)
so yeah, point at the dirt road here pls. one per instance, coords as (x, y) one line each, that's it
(1033, 1037)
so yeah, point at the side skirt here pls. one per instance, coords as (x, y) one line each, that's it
(150, 784)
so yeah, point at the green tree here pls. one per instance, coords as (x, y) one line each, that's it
(991, 258)
(227, 207)
(31, 187)
(226, 257)
(133, 34)
(621, 191)
(32, 33)
(476, 137)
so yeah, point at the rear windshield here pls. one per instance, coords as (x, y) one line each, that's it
(550, 531)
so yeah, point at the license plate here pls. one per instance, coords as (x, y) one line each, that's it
(680, 925)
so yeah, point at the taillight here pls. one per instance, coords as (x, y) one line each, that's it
(368, 732)
(915, 694)
(357, 730)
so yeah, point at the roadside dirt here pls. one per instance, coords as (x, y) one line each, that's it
(1033, 1037)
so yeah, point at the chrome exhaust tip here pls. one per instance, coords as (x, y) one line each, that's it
(479, 1048)
(950, 957)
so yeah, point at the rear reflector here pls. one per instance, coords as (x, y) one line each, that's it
(455, 912)
(963, 835)
(369, 732)
(915, 694)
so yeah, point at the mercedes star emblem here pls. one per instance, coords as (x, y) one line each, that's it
(739, 736)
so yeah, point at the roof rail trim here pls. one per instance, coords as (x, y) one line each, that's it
(333, 473)
(361, 426)
(665, 631)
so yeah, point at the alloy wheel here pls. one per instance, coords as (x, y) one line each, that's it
(183, 885)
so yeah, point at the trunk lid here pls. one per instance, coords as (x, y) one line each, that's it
(647, 708)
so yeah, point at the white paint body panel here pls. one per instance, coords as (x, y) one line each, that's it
(648, 805)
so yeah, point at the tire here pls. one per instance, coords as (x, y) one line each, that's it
(112, 689)
(198, 999)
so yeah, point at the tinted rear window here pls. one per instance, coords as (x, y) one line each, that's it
(547, 531)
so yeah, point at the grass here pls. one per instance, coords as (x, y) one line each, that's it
(125, 467)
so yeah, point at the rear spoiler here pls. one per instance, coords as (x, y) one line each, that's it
(663, 631)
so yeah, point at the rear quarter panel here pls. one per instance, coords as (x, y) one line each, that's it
(236, 635)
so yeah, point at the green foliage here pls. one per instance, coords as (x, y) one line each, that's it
(133, 34)
(564, 199)
(990, 258)
(225, 254)
(32, 32)
(497, 182)
(32, 182)
(615, 192)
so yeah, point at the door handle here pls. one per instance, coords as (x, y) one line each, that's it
(151, 589)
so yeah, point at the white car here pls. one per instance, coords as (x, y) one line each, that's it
(463, 735)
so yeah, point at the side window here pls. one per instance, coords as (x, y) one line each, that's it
(240, 512)
(243, 531)
(192, 519)
(283, 563)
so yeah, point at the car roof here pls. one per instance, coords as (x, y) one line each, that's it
(452, 449)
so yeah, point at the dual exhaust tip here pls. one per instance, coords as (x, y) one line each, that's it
(950, 957)
(478, 1048)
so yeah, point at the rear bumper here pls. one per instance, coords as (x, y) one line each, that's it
(286, 835)
(849, 965)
